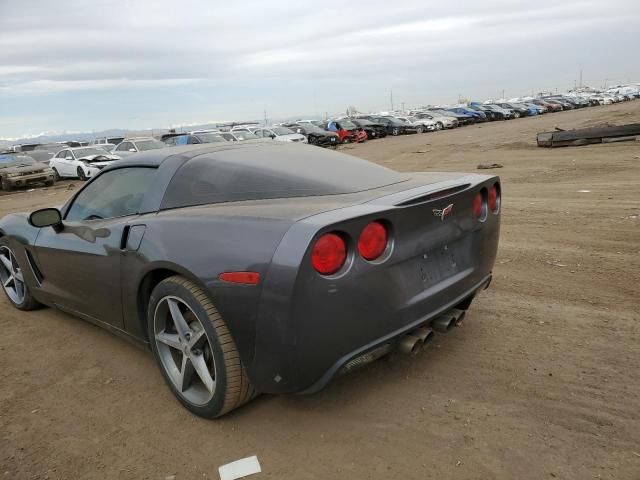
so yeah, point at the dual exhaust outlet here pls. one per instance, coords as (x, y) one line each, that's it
(413, 342)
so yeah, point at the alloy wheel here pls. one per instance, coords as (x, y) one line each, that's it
(11, 276)
(184, 350)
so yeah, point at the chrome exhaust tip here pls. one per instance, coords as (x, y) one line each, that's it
(410, 345)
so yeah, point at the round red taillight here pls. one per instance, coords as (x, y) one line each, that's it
(329, 254)
(373, 241)
(492, 198)
(477, 206)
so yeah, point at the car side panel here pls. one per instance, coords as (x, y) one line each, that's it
(201, 246)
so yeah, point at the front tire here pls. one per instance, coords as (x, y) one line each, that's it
(6, 186)
(194, 349)
(56, 175)
(439, 126)
(81, 175)
(420, 129)
(12, 280)
(395, 132)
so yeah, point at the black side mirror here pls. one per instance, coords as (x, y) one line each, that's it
(272, 136)
(46, 217)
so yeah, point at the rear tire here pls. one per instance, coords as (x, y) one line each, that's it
(395, 132)
(6, 186)
(217, 350)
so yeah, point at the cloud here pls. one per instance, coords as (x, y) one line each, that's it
(288, 56)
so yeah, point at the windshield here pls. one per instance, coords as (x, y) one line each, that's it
(394, 120)
(209, 137)
(85, 152)
(245, 135)
(144, 145)
(347, 125)
(311, 128)
(11, 160)
(282, 131)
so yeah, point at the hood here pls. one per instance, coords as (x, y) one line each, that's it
(105, 158)
(25, 169)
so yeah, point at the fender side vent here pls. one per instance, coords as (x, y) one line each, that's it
(433, 196)
(34, 268)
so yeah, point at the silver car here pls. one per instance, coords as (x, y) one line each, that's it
(130, 146)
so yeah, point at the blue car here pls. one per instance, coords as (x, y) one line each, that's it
(478, 116)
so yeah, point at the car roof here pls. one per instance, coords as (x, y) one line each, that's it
(153, 158)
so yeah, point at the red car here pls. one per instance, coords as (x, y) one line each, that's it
(347, 131)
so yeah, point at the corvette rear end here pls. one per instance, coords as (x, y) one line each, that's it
(260, 267)
(372, 278)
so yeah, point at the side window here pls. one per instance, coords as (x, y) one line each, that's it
(259, 133)
(228, 137)
(113, 194)
(191, 140)
(60, 154)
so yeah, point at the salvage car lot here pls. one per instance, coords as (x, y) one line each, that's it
(541, 379)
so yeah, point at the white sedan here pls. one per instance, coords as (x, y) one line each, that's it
(281, 134)
(81, 162)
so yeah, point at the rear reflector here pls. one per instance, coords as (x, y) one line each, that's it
(329, 254)
(373, 241)
(477, 206)
(247, 278)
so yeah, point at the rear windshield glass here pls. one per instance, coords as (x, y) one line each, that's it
(272, 172)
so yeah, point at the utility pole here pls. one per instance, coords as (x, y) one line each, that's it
(403, 106)
(503, 95)
(580, 78)
(265, 117)
(392, 100)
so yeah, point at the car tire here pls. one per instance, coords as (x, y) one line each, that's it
(346, 140)
(81, 175)
(12, 280)
(516, 115)
(439, 126)
(395, 132)
(6, 186)
(216, 349)
(56, 175)
(420, 129)
(49, 183)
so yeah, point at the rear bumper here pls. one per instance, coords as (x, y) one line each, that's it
(393, 337)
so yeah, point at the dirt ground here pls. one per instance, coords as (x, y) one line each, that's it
(541, 381)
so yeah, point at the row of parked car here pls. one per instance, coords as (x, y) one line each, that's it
(30, 164)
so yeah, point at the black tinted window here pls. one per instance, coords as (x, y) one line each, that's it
(113, 194)
(272, 172)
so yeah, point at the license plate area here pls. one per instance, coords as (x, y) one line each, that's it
(437, 264)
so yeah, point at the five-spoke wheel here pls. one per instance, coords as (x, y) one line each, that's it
(184, 350)
(11, 276)
(194, 349)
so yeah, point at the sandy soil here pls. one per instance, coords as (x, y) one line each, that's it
(541, 381)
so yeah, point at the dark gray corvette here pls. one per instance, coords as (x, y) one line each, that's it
(258, 267)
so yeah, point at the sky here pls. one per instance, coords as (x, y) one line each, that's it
(83, 65)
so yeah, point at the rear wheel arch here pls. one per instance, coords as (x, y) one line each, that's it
(145, 288)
